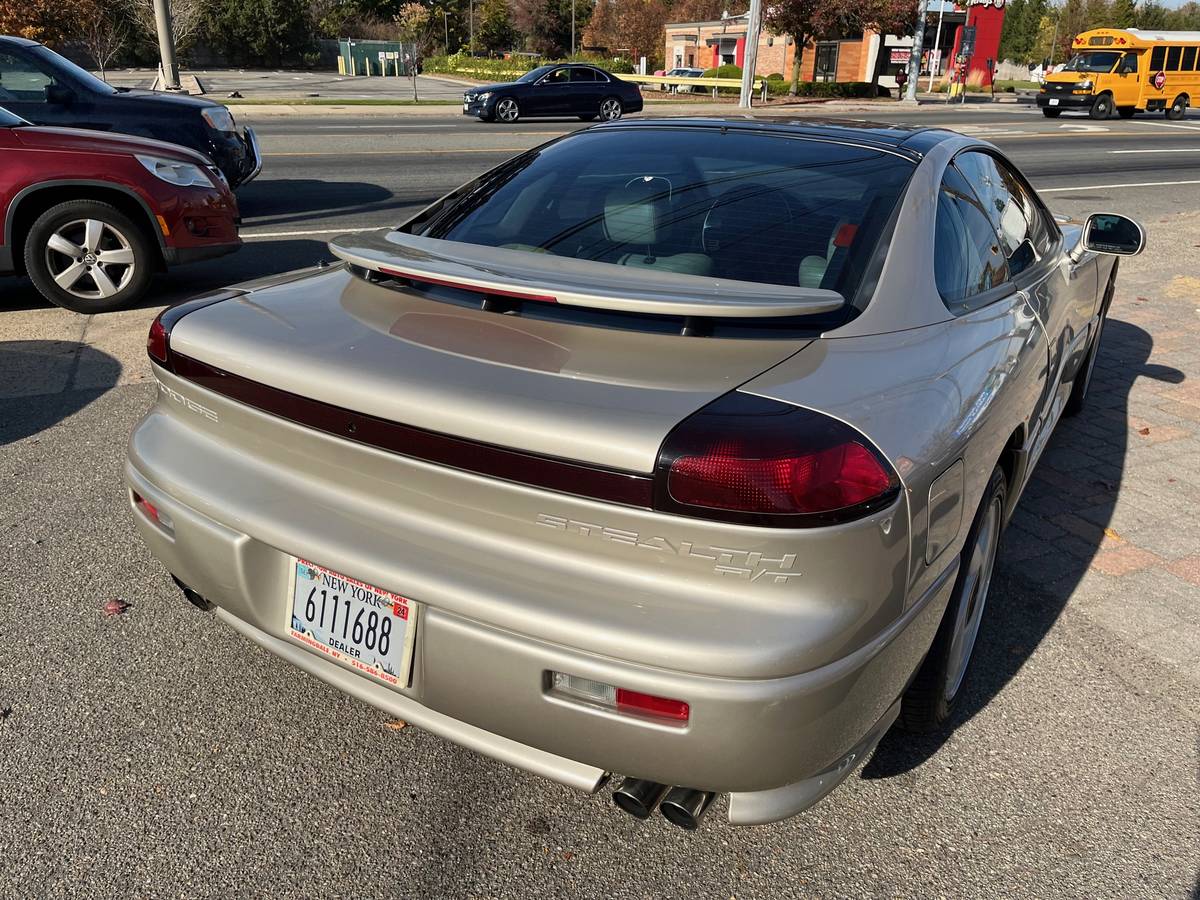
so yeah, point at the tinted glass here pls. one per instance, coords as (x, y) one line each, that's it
(1129, 63)
(8, 120)
(1012, 210)
(587, 75)
(966, 259)
(1094, 61)
(1158, 58)
(558, 76)
(535, 74)
(692, 201)
(21, 80)
(1189, 59)
(49, 61)
(1173, 59)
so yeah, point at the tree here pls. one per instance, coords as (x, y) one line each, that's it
(1014, 31)
(806, 20)
(187, 19)
(104, 32)
(546, 24)
(260, 31)
(1097, 14)
(413, 22)
(494, 32)
(1123, 13)
(1152, 15)
(48, 21)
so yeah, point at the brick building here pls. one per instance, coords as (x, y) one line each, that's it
(864, 57)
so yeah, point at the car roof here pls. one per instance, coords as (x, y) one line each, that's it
(19, 41)
(913, 140)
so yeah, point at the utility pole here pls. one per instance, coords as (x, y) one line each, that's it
(750, 57)
(471, 16)
(914, 60)
(572, 53)
(937, 44)
(446, 22)
(166, 44)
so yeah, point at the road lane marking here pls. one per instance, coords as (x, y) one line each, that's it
(336, 127)
(1099, 187)
(278, 234)
(1170, 125)
(1161, 150)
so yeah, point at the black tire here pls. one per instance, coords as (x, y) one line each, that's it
(1051, 113)
(1083, 381)
(611, 109)
(1178, 108)
(1126, 112)
(507, 110)
(1102, 107)
(930, 699)
(120, 235)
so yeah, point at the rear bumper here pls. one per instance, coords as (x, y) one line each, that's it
(778, 744)
(1066, 101)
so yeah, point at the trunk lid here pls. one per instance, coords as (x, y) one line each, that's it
(597, 395)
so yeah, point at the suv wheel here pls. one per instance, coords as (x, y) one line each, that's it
(929, 700)
(88, 257)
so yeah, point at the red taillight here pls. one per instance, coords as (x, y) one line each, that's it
(748, 459)
(647, 704)
(156, 340)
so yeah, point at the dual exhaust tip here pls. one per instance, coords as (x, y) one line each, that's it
(679, 805)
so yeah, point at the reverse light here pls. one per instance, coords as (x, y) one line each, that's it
(756, 461)
(619, 699)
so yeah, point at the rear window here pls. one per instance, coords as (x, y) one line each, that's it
(724, 204)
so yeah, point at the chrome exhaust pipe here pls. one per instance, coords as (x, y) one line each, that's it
(193, 598)
(638, 797)
(685, 806)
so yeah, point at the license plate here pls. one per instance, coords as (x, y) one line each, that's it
(352, 622)
(1054, 101)
(466, 105)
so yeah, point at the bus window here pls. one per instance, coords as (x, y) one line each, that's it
(1158, 56)
(1173, 58)
(1129, 64)
(1189, 59)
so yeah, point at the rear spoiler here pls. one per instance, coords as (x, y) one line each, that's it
(547, 278)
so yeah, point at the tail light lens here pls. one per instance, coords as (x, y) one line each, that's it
(756, 461)
(156, 340)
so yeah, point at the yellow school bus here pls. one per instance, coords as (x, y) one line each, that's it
(1128, 70)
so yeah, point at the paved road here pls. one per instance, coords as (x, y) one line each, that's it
(154, 753)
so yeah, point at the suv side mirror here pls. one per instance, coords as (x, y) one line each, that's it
(1113, 234)
(56, 93)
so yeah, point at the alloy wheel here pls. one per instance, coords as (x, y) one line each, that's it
(610, 109)
(507, 110)
(974, 597)
(90, 259)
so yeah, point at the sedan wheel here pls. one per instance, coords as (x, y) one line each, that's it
(88, 257)
(610, 109)
(930, 698)
(507, 110)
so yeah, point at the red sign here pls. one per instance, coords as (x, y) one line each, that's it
(1160, 80)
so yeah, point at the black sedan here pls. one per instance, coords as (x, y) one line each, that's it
(44, 88)
(561, 90)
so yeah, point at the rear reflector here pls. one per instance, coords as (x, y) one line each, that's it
(619, 699)
(152, 512)
(757, 461)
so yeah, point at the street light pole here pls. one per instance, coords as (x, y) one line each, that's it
(914, 60)
(471, 17)
(937, 43)
(166, 44)
(572, 53)
(750, 57)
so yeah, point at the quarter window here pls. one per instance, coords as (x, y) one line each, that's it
(1010, 208)
(967, 256)
(1173, 58)
(1158, 58)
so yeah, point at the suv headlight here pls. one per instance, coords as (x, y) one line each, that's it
(1085, 85)
(219, 117)
(181, 174)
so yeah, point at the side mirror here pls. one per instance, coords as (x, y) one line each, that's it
(56, 93)
(1113, 234)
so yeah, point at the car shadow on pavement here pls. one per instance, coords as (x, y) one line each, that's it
(44, 382)
(1054, 534)
(282, 201)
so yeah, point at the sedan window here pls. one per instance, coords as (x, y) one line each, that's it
(588, 75)
(733, 204)
(966, 256)
(1013, 212)
(558, 76)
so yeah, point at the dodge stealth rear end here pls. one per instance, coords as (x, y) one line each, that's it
(652, 452)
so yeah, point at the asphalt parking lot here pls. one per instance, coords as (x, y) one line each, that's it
(152, 752)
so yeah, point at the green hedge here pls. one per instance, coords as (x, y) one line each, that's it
(507, 69)
(725, 71)
(844, 89)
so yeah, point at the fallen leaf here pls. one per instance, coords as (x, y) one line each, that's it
(1143, 299)
(1109, 532)
(1144, 431)
(5, 713)
(116, 607)
(396, 725)
(566, 855)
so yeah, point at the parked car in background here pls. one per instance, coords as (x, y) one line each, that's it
(576, 469)
(44, 88)
(557, 90)
(684, 73)
(91, 217)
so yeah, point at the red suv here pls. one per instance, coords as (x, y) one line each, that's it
(91, 217)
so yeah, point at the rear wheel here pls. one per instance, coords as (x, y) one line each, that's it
(1051, 113)
(89, 257)
(930, 698)
(610, 109)
(1126, 112)
(507, 109)
(1102, 107)
(1178, 109)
